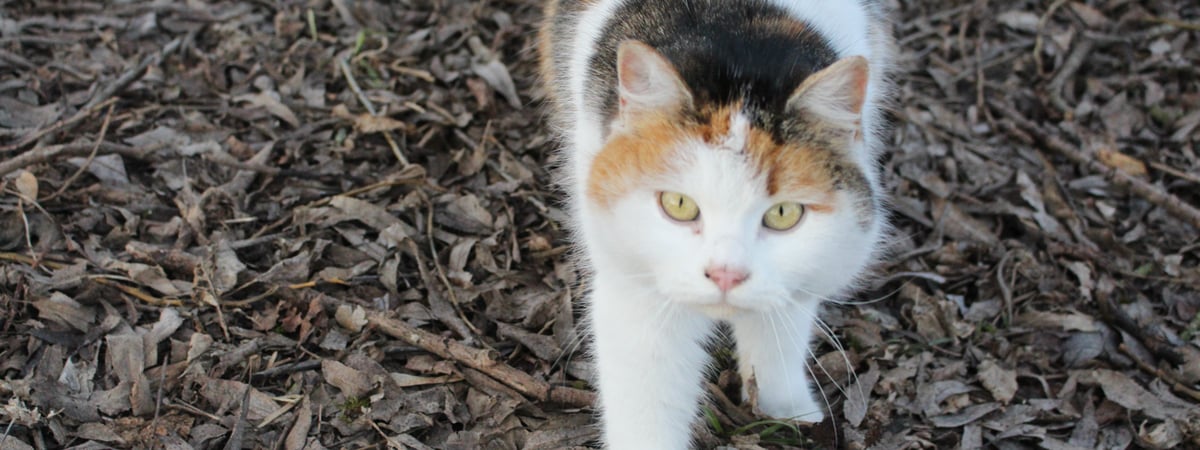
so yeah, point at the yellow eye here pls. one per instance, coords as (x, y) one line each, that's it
(783, 216)
(678, 206)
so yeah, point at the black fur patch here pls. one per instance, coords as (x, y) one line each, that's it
(725, 51)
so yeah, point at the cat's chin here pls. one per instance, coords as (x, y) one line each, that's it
(722, 310)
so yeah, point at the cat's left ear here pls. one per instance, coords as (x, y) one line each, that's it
(834, 95)
(647, 81)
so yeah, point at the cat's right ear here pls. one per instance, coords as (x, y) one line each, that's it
(647, 82)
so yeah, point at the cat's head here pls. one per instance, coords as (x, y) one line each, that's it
(727, 207)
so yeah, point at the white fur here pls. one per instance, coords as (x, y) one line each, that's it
(651, 309)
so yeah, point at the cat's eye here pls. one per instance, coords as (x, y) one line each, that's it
(678, 206)
(783, 216)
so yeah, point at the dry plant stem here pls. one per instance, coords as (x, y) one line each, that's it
(1174, 205)
(1037, 46)
(1174, 382)
(366, 102)
(483, 361)
(239, 427)
(1175, 172)
(1067, 73)
(1115, 316)
(438, 265)
(48, 153)
(64, 123)
(91, 157)
(104, 96)
(1180, 24)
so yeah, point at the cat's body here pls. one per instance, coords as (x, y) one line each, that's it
(720, 164)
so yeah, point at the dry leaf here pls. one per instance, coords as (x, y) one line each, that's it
(270, 101)
(1001, 382)
(27, 186)
(226, 393)
(367, 123)
(352, 318)
(858, 396)
(1018, 19)
(352, 383)
(64, 310)
(1122, 162)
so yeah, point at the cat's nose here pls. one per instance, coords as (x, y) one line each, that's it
(725, 277)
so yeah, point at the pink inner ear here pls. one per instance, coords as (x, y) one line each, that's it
(647, 80)
(631, 70)
(836, 93)
(858, 86)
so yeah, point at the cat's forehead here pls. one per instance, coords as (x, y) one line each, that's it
(717, 147)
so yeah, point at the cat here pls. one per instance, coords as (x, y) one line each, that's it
(719, 160)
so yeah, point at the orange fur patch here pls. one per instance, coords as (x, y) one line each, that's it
(634, 155)
(646, 151)
(792, 169)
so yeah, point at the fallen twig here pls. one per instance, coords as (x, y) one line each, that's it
(91, 157)
(1167, 377)
(481, 360)
(1147, 191)
(48, 153)
(103, 96)
(366, 102)
(1115, 316)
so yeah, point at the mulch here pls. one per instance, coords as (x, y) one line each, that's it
(331, 224)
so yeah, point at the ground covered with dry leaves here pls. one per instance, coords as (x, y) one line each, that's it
(328, 224)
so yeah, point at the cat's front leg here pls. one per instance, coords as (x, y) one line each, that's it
(650, 360)
(773, 348)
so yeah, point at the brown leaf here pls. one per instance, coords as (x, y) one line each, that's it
(12, 443)
(270, 101)
(1001, 382)
(367, 123)
(858, 396)
(967, 415)
(297, 436)
(27, 186)
(63, 310)
(97, 431)
(352, 318)
(226, 393)
(352, 383)
(1072, 321)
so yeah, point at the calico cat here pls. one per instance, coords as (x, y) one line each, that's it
(720, 165)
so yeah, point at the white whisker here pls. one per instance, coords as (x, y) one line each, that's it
(837, 344)
(783, 361)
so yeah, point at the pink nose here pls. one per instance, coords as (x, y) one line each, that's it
(725, 278)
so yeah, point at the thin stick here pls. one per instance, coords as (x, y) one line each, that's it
(103, 97)
(481, 360)
(1172, 204)
(366, 102)
(91, 157)
(1177, 385)
(51, 152)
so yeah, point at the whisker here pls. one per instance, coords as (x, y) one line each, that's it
(825, 398)
(849, 302)
(837, 343)
(783, 361)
